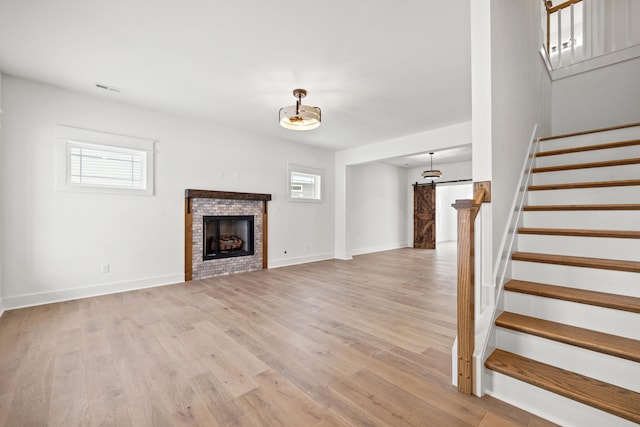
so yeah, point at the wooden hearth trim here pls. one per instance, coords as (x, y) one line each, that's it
(188, 241)
(265, 233)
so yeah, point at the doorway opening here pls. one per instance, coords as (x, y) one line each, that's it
(434, 220)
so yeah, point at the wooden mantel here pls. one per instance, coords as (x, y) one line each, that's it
(190, 194)
(208, 194)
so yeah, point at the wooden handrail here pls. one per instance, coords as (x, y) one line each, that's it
(467, 212)
(562, 6)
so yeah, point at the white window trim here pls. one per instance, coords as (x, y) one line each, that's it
(68, 136)
(308, 170)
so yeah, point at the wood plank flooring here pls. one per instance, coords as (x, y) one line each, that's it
(334, 343)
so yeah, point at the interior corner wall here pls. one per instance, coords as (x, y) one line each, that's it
(54, 243)
(604, 97)
(376, 208)
(520, 101)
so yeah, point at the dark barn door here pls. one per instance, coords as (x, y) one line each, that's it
(424, 216)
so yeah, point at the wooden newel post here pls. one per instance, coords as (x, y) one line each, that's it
(467, 212)
(466, 321)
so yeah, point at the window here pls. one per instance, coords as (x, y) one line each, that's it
(90, 165)
(305, 184)
(90, 161)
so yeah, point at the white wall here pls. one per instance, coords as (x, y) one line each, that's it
(446, 195)
(1, 201)
(53, 243)
(604, 97)
(376, 208)
(447, 216)
(520, 100)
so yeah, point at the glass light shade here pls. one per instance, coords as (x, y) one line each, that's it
(307, 117)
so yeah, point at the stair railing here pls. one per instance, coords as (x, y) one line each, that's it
(555, 13)
(577, 30)
(501, 271)
(467, 212)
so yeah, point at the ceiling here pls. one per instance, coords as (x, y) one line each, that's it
(423, 160)
(378, 69)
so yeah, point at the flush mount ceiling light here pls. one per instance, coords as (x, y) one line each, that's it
(300, 117)
(432, 173)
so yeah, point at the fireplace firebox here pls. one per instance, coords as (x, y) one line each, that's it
(227, 236)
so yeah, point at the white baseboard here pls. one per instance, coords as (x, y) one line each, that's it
(284, 262)
(1, 308)
(30, 300)
(344, 256)
(380, 248)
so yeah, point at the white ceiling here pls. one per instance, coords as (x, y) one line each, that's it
(423, 160)
(378, 69)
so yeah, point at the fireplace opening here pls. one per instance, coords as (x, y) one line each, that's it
(227, 236)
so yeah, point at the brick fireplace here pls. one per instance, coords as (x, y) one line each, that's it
(225, 233)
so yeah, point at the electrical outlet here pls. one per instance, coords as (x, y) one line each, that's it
(105, 268)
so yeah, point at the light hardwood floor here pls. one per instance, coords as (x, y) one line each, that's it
(333, 343)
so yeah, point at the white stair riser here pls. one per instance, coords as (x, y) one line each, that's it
(585, 196)
(592, 279)
(630, 152)
(610, 369)
(594, 247)
(548, 405)
(591, 139)
(615, 322)
(590, 220)
(611, 173)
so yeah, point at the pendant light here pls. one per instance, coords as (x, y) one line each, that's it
(300, 117)
(432, 173)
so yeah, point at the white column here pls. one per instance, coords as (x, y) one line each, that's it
(341, 178)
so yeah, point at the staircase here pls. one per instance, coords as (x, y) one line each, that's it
(568, 340)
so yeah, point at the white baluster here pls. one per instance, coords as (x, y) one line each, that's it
(559, 38)
(573, 34)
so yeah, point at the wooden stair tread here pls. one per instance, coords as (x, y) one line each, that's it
(573, 166)
(586, 132)
(594, 147)
(582, 296)
(589, 207)
(617, 234)
(592, 184)
(625, 348)
(615, 400)
(576, 261)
